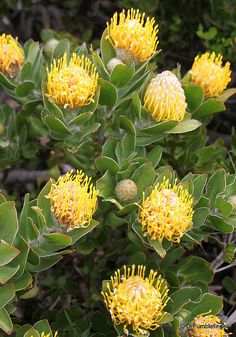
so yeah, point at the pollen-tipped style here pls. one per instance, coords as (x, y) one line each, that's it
(207, 326)
(71, 83)
(11, 55)
(134, 36)
(135, 300)
(167, 212)
(164, 98)
(73, 200)
(209, 73)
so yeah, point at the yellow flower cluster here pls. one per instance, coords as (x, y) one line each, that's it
(164, 98)
(134, 300)
(72, 84)
(207, 326)
(167, 212)
(133, 34)
(209, 73)
(73, 199)
(11, 55)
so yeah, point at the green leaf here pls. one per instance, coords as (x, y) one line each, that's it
(44, 203)
(153, 133)
(199, 184)
(107, 50)
(226, 94)
(23, 282)
(157, 246)
(194, 268)
(209, 107)
(6, 273)
(181, 297)
(127, 125)
(221, 224)
(167, 318)
(32, 333)
(194, 96)
(25, 71)
(21, 260)
(6, 294)
(208, 303)
(185, 126)
(106, 185)
(52, 108)
(45, 263)
(8, 221)
(136, 105)
(7, 253)
(81, 119)
(225, 207)
(5, 322)
(57, 128)
(128, 144)
(6, 82)
(216, 185)
(199, 216)
(78, 233)
(108, 93)
(155, 155)
(43, 326)
(55, 241)
(106, 163)
(25, 88)
(62, 47)
(144, 176)
(121, 74)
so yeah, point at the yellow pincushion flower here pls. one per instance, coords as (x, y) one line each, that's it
(167, 212)
(73, 200)
(11, 55)
(209, 73)
(164, 98)
(134, 300)
(207, 326)
(133, 35)
(72, 84)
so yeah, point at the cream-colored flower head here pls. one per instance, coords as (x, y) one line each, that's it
(164, 98)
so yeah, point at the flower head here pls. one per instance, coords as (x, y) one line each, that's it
(11, 55)
(134, 35)
(209, 73)
(126, 190)
(164, 98)
(73, 199)
(167, 212)
(72, 84)
(207, 326)
(136, 300)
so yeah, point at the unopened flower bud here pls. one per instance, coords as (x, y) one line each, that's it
(126, 190)
(232, 201)
(50, 45)
(113, 63)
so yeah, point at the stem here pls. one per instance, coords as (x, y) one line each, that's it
(226, 267)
